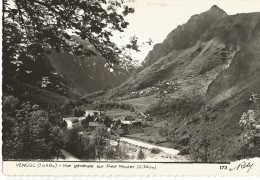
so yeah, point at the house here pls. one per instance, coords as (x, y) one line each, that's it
(72, 121)
(130, 127)
(95, 113)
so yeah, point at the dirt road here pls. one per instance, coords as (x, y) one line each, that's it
(165, 155)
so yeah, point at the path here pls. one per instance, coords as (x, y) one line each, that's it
(150, 146)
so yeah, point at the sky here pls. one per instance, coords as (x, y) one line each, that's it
(155, 19)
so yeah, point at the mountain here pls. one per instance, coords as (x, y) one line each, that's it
(193, 53)
(66, 76)
(186, 35)
(244, 68)
(86, 75)
(228, 96)
(217, 56)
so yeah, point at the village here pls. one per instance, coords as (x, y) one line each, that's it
(124, 128)
(119, 126)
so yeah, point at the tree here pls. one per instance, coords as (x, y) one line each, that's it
(140, 155)
(34, 28)
(28, 135)
(101, 140)
(201, 149)
(58, 138)
(115, 153)
(107, 121)
(10, 104)
(79, 111)
(251, 128)
(86, 121)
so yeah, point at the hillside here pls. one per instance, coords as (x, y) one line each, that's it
(65, 75)
(86, 75)
(186, 35)
(228, 96)
(215, 58)
(210, 41)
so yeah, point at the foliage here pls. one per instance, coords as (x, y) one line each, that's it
(101, 140)
(183, 106)
(140, 155)
(112, 105)
(56, 119)
(115, 153)
(10, 104)
(67, 108)
(79, 111)
(27, 138)
(163, 131)
(85, 122)
(184, 151)
(155, 150)
(59, 138)
(36, 27)
(110, 153)
(107, 121)
(200, 149)
(251, 127)
(79, 144)
(28, 132)
(88, 148)
(74, 144)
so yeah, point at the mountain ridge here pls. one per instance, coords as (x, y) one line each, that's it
(203, 61)
(205, 18)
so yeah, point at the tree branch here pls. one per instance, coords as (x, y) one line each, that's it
(74, 24)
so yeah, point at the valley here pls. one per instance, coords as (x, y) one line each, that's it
(195, 98)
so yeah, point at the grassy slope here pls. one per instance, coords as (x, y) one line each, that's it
(141, 104)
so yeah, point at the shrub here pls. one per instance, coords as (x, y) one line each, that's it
(163, 132)
(55, 119)
(204, 143)
(140, 155)
(110, 153)
(100, 139)
(183, 106)
(80, 145)
(184, 141)
(107, 121)
(184, 151)
(251, 127)
(155, 150)
(28, 135)
(10, 104)
(78, 111)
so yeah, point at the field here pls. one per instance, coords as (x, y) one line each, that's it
(141, 104)
(118, 113)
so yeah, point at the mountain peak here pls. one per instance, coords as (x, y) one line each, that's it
(216, 8)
